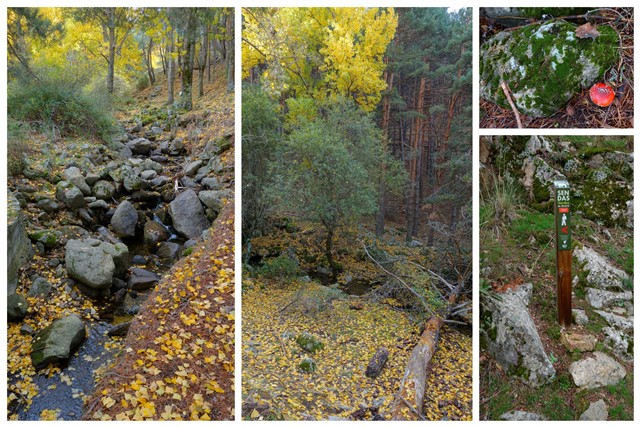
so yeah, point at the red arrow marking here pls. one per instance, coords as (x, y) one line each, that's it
(563, 210)
(565, 230)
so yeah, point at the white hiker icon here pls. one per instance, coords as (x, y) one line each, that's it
(563, 222)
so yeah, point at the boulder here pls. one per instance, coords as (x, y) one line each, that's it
(141, 279)
(192, 168)
(597, 411)
(509, 334)
(169, 250)
(599, 298)
(544, 65)
(620, 343)
(49, 238)
(308, 365)
(616, 321)
(48, 205)
(56, 342)
(19, 247)
(104, 190)
(69, 194)
(140, 146)
(210, 183)
(188, 215)
(75, 177)
(154, 232)
(40, 287)
(601, 274)
(87, 262)
(596, 371)
(213, 198)
(17, 307)
(124, 220)
(148, 174)
(119, 253)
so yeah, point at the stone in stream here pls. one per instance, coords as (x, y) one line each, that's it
(56, 342)
(141, 279)
(188, 215)
(596, 371)
(104, 190)
(169, 250)
(88, 262)
(17, 307)
(154, 232)
(124, 220)
(19, 247)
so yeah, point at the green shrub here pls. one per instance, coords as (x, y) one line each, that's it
(143, 82)
(16, 145)
(54, 105)
(279, 267)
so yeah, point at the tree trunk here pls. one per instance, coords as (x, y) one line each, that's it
(170, 70)
(328, 247)
(111, 28)
(186, 100)
(230, 49)
(410, 397)
(380, 213)
(202, 62)
(148, 60)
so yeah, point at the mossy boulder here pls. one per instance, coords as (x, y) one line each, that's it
(308, 365)
(19, 248)
(56, 342)
(49, 238)
(544, 65)
(17, 307)
(309, 343)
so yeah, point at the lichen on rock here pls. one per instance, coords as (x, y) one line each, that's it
(544, 65)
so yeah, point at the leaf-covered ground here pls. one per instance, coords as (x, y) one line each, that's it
(352, 329)
(178, 358)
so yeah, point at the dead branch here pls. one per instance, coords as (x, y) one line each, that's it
(505, 89)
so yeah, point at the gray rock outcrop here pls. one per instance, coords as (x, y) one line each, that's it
(56, 342)
(596, 371)
(510, 335)
(19, 248)
(124, 220)
(188, 215)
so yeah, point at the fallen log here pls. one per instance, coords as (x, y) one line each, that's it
(408, 402)
(377, 362)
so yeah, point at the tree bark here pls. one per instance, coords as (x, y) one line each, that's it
(170, 70)
(408, 402)
(230, 49)
(186, 99)
(111, 29)
(377, 362)
(202, 61)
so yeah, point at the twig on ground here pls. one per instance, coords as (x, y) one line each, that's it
(411, 408)
(505, 89)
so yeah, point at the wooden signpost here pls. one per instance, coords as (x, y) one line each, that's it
(562, 211)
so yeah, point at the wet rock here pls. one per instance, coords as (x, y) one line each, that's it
(510, 335)
(124, 220)
(104, 190)
(56, 342)
(17, 307)
(119, 253)
(19, 247)
(522, 416)
(141, 279)
(188, 182)
(601, 274)
(188, 215)
(210, 183)
(159, 181)
(140, 146)
(138, 260)
(599, 298)
(169, 250)
(154, 233)
(581, 342)
(40, 287)
(119, 330)
(88, 263)
(597, 411)
(596, 371)
(545, 65)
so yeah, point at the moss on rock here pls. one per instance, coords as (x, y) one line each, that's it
(544, 65)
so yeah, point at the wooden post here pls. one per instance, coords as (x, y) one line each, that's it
(563, 251)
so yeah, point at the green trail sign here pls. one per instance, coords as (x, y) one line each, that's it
(562, 211)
